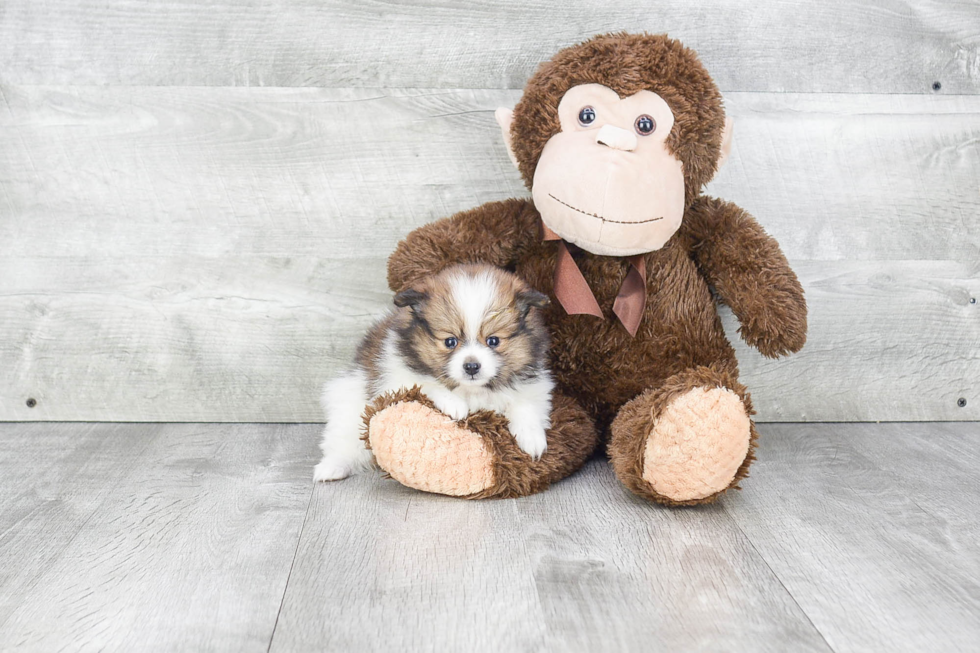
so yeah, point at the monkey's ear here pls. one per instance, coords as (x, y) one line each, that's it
(726, 141)
(412, 298)
(505, 118)
(526, 299)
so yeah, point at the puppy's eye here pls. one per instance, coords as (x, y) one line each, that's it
(493, 341)
(451, 342)
(586, 116)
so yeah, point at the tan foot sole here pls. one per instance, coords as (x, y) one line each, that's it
(697, 444)
(424, 449)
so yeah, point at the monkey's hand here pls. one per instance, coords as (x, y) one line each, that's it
(778, 326)
(750, 274)
(493, 233)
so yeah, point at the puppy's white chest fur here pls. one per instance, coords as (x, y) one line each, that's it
(526, 405)
(497, 401)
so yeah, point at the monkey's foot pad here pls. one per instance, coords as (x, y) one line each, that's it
(697, 444)
(420, 447)
(477, 458)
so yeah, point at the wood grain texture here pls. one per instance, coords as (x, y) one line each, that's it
(254, 339)
(944, 459)
(888, 340)
(383, 567)
(205, 537)
(189, 550)
(580, 567)
(612, 571)
(136, 172)
(215, 254)
(229, 339)
(873, 565)
(53, 479)
(876, 46)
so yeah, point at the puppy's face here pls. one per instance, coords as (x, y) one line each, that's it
(473, 325)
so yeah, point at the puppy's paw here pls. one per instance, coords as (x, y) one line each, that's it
(530, 436)
(332, 468)
(451, 405)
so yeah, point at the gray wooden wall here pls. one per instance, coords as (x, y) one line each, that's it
(197, 199)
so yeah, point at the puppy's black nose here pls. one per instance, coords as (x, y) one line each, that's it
(471, 367)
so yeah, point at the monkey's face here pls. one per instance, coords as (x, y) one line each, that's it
(606, 181)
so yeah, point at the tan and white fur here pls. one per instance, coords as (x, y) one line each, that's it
(472, 338)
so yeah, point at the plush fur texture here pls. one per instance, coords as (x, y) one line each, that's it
(637, 419)
(477, 458)
(720, 253)
(628, 63)
(424, 448)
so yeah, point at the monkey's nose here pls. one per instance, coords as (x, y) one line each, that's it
(616, 138)
(471, 367)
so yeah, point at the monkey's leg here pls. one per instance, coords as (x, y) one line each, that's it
(476, 458)
(687, 441)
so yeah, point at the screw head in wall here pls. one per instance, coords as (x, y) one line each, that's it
(31, 402)
(961, 402)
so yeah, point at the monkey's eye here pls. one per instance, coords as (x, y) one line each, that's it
(586, 116)
(493, 341)
(451, 342)
(645, 125)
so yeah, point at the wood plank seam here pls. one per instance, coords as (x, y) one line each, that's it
(292, 564)
(776, 576)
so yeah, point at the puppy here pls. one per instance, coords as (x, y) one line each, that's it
(472, 338)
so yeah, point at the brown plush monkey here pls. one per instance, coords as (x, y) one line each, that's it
(615, 138)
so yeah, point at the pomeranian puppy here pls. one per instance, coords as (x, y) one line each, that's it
(472, 338)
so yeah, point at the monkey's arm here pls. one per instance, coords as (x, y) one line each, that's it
(750, 274)
(494, 233)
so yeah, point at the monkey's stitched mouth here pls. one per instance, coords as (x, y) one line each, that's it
(599, 217)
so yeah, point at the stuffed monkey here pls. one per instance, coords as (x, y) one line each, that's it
(615, 138)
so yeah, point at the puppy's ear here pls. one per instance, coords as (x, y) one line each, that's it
(528, 299)
(412, 298)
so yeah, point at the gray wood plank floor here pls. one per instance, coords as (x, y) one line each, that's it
(847, 537)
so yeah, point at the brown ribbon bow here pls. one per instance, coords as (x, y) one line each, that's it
(575, 296)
